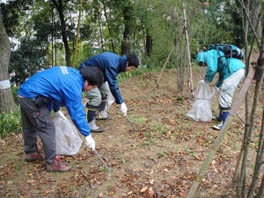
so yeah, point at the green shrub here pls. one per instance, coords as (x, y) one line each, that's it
(10, 123)
(14, 91)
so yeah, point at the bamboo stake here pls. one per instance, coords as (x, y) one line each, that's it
(239, 99)
(188, 47)
(167, 60)
(165, 64)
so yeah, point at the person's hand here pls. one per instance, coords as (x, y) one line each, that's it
(123, 109)
(59, 114)
(90, 142)
(202, 81)
(216, 88)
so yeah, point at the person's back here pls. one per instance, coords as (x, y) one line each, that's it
(53, 84)
(106, 60)
(226, 66)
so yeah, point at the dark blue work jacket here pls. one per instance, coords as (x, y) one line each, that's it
(111, 65)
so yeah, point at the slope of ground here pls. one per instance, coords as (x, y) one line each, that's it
(160, 159)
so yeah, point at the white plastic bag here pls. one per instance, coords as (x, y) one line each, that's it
(201, 108)
(68, 141)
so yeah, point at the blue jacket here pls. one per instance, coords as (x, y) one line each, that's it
(111, 65)
(63, 87)
(213, 66)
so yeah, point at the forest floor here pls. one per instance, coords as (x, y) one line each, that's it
(160, 159)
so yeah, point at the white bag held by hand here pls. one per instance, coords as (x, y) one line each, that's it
(201, 108)
(68, 141)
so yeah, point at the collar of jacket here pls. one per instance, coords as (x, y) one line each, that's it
(122, 64)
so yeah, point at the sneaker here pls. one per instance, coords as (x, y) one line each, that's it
(218, 127)
(102, 115)
(58, 165)
(34, 157)
(94, 128)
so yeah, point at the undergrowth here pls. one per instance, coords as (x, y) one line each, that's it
(10, 123)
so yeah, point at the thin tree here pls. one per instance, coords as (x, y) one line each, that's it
(60, 8)
(241, 186)
(78, 32)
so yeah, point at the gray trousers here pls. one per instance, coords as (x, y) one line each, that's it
(95, 95)
(37, 121)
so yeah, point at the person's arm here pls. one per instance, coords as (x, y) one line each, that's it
(73, 102)
(211, 63)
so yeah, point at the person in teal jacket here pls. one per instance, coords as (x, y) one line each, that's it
(46, 91)
(231, 72)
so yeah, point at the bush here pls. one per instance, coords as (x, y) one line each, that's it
(10, 123)
(14, 91)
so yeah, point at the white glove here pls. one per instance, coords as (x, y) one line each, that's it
(123, 109)
(90, 142)
(216, 88)
(202, 81)
(59, 114)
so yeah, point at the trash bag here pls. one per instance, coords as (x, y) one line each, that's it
(201, 108)
(68, 141)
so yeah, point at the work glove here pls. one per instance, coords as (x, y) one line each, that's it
(59, 114)
(90, 142)
(216, 88)
(202, 81)
(123, 109)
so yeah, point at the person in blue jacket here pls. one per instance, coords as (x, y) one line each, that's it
(231, 72)
(111, 64)
(46, 91)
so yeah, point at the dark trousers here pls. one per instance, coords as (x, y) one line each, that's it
(91, 114)
(37, 121)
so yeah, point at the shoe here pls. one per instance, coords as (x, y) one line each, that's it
(219, 127)
(94, 128)
(58, 165)
(102, 115)
(34, 157)
(97, 130)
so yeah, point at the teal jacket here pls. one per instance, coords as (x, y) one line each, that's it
(210, 58)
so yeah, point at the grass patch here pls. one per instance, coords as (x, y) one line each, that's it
(10, 123)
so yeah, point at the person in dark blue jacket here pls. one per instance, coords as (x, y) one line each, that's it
(111, 64)
(46, 91)
(231, 72)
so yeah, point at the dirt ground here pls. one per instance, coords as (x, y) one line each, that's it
(160, 159)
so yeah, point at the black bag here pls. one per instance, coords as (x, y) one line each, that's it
(230, 51)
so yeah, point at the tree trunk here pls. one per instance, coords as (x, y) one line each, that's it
(7, 103)
(128, 22)
(259, 158)
(148, 43)
(59, 8)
